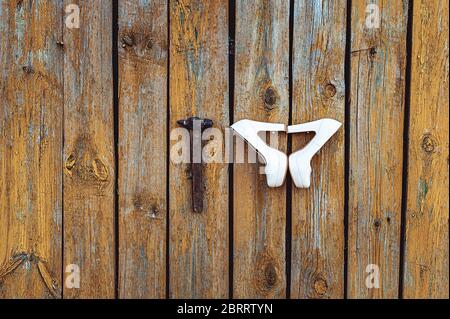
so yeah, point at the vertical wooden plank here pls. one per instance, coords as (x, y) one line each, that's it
(427, 249)
(142, 148)
(88, 151)
(199, 86)
(261, 94)
(30, 149)
(319, 92)
(378, 61)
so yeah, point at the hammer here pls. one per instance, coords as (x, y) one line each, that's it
(197, 126)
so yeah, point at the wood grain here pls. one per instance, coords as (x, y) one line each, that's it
(57, 161)
(319, 92)
(89, 168)
(261, 94)
(378, 61)
(199, 86)
(426, 267)
(142, 148)
(31, 108)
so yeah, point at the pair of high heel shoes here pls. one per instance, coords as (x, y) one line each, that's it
(276, 161)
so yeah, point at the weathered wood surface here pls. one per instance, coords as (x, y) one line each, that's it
(319, 92)
(261, 94)
(378, 62)
(89, 169)
(426, 267)
(57, 154)
(143, 57)
(31, 108)
(199, 86)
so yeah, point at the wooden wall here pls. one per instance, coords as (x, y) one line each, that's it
(86, 177)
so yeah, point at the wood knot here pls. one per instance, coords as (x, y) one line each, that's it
(70, 162)
(270, 276)
(28, 69)
(139, 43)
(84, 165)
(423, 269)
(146, 205)
(267, 274)
(270, 97)
(29, 259)
(100, 170)
(153, 213)
(128, 40)
(373, 52)
(320, 286)
(429, 144)
(330, 90)
(149, 44)
(377, 223)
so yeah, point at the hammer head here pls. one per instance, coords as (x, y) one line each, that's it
(189, 123)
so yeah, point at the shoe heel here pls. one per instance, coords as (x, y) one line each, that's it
(276, 161)
(300, 161)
